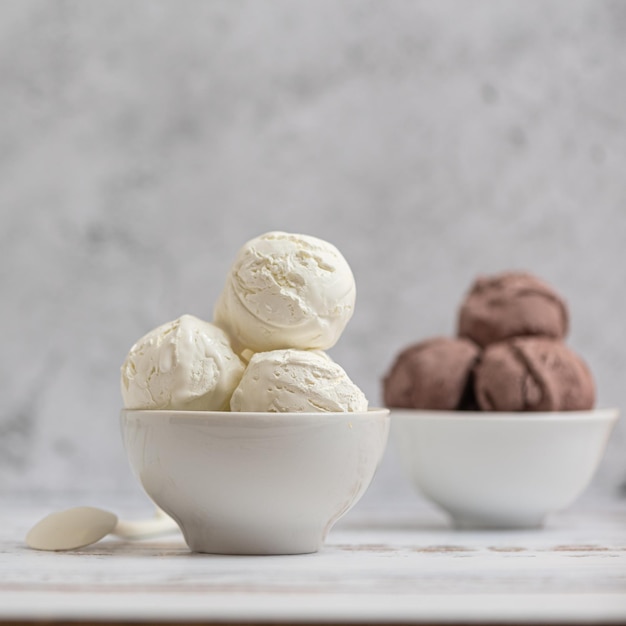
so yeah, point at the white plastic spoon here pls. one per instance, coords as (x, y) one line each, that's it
(83, 525)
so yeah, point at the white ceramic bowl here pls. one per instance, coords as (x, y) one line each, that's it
(500, 470)
(254, 483)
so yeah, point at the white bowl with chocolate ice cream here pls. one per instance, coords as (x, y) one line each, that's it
(497, 426)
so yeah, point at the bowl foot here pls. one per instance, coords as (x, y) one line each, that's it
(465, 522)
(214, 540)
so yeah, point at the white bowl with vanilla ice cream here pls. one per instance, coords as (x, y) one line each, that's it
(244, 430)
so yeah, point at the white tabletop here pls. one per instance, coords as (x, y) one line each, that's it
(398, 563)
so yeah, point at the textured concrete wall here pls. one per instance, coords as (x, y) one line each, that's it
(141, 143)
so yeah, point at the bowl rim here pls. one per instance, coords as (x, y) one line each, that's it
(377, 412)
(610, 414)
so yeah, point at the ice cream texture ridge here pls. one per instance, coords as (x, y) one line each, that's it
(286, 299)
(509, 355)
(274, 381)
(185, 364)
(287, 291)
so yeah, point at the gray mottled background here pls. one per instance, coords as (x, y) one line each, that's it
(141, 143)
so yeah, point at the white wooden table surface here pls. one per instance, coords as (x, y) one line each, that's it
(400, 564)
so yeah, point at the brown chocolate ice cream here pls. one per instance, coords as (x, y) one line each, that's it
(533, 374)
(434, 374)
(511, 304)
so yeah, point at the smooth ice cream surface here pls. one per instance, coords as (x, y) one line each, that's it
(435, 374)
(286, 291)
(186, 364)
(533, 374)
(512, 304)
(297, 381)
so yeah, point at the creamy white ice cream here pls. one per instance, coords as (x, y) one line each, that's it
(187, 364)
(298, 381)
(286, 291)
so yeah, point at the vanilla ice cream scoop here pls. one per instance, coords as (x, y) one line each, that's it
(187, 364)
(286, 291)
(297, 381)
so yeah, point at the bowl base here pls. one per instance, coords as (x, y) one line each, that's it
(241, 549)
(253, 552)
(249, 541)
(464, 522)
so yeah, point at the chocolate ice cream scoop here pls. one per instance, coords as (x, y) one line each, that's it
(533, 374)
(511, 304)
(433, 374)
